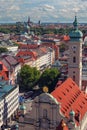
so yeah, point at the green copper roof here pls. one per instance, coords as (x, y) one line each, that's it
(75, 23)
(75, 34)
(22, 107)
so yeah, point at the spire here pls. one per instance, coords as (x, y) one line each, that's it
(28, 19)
(75, 23)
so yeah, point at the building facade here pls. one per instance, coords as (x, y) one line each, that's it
(65, 107)
(13, 67)
(41, 57)
(9, 102)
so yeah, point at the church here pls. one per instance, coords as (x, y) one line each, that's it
(66, 107)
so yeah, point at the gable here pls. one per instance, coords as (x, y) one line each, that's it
(46, 98)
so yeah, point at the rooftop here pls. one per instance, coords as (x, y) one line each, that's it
(70, 97)
(5, 88)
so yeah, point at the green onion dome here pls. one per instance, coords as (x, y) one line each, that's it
(72, 113)
(22, 107)
(75, 34)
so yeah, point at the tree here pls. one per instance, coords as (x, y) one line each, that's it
(29, 77)
(63, 47)
(49, 78)
(3, 49)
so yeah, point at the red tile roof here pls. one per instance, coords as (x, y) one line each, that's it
(70, 97)
(4, 67)
(26, 56)
(30, 46)
(35, 53)
(26, 53)
(3, 72)
(66, 38)
(43, 49)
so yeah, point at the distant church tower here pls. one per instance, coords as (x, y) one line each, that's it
(28, 21)
(75, 55)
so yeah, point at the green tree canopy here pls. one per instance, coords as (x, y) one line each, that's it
(3, 49)
(29, 77)
(49, 78)
(63, 47)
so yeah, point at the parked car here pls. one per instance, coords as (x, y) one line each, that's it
(28, 94)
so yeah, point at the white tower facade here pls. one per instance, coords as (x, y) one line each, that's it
(75, 55)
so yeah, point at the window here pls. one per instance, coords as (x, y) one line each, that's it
(73, 77)
(74, 48)
(74, 59)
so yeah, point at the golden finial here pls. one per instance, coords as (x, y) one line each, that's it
(45, 89)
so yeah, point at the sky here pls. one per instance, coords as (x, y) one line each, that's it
(43, 10)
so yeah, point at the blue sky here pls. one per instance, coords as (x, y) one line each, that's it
(44, 10)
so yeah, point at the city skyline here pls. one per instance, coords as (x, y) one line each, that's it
(45, 11)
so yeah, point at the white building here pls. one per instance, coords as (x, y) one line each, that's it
(9, 102)
(47, 59)
(40, 57)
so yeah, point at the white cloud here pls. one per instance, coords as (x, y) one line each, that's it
(49, 7)
(43, 10)
(14, 7)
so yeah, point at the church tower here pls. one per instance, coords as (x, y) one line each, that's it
(28, 21)
(75, 55)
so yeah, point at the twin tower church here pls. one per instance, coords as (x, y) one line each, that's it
(66, 107)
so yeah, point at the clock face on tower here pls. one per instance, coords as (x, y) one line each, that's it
(74, 48)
